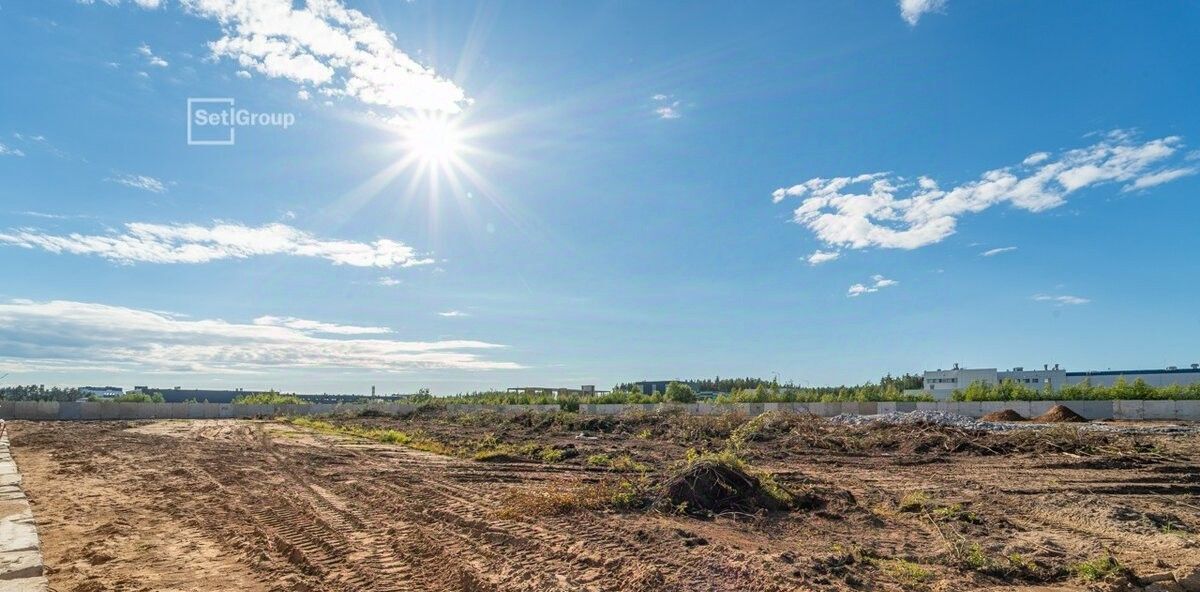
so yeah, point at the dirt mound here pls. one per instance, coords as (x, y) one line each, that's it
(712, 487)
(1059, 414)
(1006, 415)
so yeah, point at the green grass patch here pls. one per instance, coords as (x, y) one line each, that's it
(1097, 568)
(906, 572)
(619, 463)
(916, 501)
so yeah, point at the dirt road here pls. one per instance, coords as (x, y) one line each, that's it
(231, 505)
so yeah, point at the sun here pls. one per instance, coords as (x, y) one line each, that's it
(432, 140)
(430, 156)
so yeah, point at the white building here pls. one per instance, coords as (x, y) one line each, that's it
(942, 383)
(1161, 377)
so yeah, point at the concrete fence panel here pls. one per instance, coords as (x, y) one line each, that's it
(1159, 409)
(1091, 409)
(70, 411)
(1129, 410)
(1123, 410)
(1187, 410)
(1037, 408)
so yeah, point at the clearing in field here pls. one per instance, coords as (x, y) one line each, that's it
(646, 502)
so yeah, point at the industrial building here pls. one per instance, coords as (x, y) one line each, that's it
(103, 392)
(587, 390)
(942, 383)
(182, 395)
(659, 387)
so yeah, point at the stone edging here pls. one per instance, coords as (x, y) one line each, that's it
(21, 568)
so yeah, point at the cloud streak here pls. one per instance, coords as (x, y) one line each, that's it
(309, 326)
(153, 60)
(818, 257)
(44, 335)
(878, 283)
(994, 252)
(142, 182)
(5, 150)
(192, 243)
(666, 107)
(1062, 300)
(892, 212)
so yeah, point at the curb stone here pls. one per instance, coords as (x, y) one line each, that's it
(21, 567)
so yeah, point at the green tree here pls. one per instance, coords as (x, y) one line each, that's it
(680, 393)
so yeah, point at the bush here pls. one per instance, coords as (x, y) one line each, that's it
(678, 392)
(1009, 390)
(138, 397)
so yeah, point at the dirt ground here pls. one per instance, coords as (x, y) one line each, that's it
(260, 505)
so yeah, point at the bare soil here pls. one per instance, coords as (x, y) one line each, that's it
(1059, 414)
(242, 505)
(1005, 415)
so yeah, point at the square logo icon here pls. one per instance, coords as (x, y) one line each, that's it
(210, 122)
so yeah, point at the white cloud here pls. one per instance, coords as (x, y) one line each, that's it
(666, 107)
(912, 10)
(994, 252)
(1035, 158)
(7, 151)
(867, 210)
(389, 281)
(878, 282)
(818, 257)
(148, 4)
(154, 60)
(142, 182)
(453, 313)
(47, 334)
(191, 243)
(1159, 178)
(1061, 300)
(302, 95)
(308, 326)
(243, 74)
(338, 50)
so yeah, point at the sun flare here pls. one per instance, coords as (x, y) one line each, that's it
(433, 140)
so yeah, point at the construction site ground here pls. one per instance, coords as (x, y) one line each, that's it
(543, 502)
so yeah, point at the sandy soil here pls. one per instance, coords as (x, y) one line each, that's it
(238, 505)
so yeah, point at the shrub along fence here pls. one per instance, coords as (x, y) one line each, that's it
(44, 410)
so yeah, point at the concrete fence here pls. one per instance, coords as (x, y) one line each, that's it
(41, 410)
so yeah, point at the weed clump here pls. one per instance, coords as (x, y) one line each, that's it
(1098, 568)
(906, 572)
(716, 483)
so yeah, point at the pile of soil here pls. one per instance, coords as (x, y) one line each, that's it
(706, 488)
(1006, 415)
(1060, 414)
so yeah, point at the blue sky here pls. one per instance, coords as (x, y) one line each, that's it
(478, 195)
